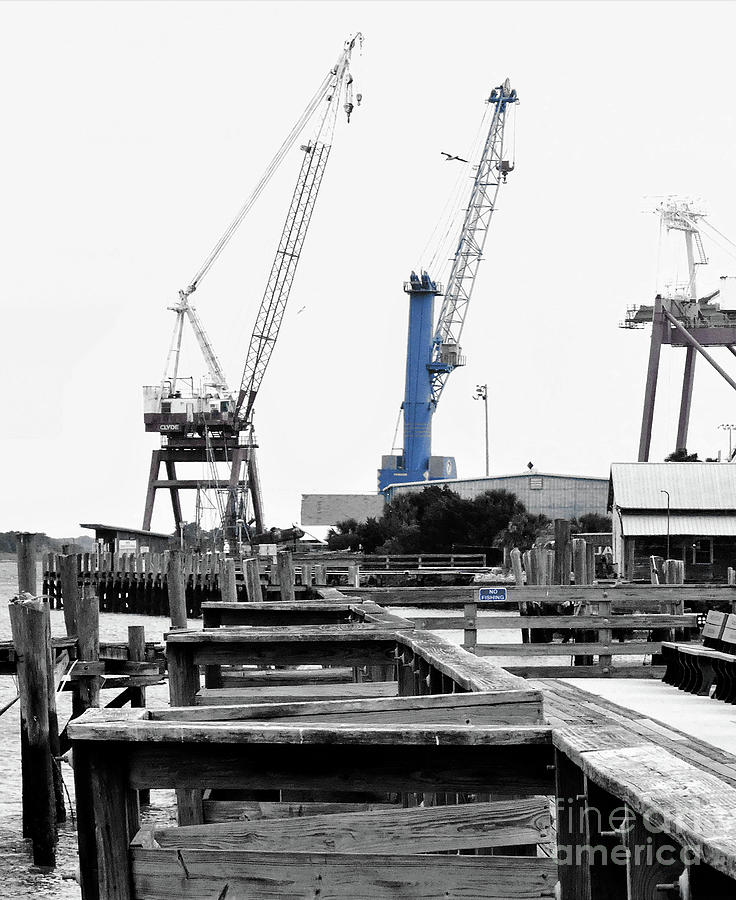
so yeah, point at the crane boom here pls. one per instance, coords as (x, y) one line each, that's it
(275, 297)
(492, 170)
(273, 305)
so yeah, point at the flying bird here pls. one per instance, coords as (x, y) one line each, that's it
(449, 157)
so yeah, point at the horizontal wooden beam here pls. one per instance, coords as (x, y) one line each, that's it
(628, 648)
(635, 621)
(212, 875)
(388, 831)
(256, 811)
(523, 707)
(598, 671)
(295, 692)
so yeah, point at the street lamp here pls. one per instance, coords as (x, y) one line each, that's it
(481, 393)
(668, 521)
(730, 429)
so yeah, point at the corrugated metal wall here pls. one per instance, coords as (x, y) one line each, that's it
(556, 496)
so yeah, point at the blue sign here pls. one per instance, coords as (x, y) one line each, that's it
(492, 594)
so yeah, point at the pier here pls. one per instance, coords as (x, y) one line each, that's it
(341, 745)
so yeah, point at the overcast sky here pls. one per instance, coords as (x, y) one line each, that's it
(133, 132)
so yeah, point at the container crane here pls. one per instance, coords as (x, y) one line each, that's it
(208, 423)
(433, 352)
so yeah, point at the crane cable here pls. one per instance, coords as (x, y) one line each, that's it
(273, 166)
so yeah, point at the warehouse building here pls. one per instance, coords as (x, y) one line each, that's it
(555, 496)
(700, 520)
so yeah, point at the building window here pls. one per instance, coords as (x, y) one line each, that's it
(536, 483)
(703, 551)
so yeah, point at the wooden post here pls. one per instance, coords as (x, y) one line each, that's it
(137, 653)
(563, 551)
(580, 561)
(87, 693)
(470, 625)
(285, 569)
(516, 567)
(605, 635)
(731, 574)
(570, 793)
(549, 574)
(70, 591)
(30, 630)
(54, 743)
(590, 563)
(320, 574)
(354, 575)
(251, 573)
(26, 554)
(177, 594)
(674, 571)
(184, 684)
(228, 587)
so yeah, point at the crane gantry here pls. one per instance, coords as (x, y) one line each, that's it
(433, 353)
(209, 424)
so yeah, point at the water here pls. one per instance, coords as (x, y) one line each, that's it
(18, 878)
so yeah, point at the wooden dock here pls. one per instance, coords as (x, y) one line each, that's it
(431, 773)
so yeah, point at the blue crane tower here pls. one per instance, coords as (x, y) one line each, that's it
(433, 352)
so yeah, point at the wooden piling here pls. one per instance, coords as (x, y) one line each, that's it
(285, 568)
(516, 567)
(590, 563)
(580, 563)
(54, 743)
(228, 587)
(563, 551)
(26, 555)
(177, 596)
(88, 647)
(28, 621)
(70, 591)
(251, 573)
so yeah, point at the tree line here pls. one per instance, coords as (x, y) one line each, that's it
(438, 520)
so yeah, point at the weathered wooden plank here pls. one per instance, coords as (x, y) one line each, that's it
(212, 875)
(694, 807)
(491, 623)
(389, 831)
(612, 671)
(148, 730)
(294, 692)
(628, 648)
(465, 669)
(356, 652)
(482, 709)
(255, 811)
(327, 633)
(264, 677)
(503, 770)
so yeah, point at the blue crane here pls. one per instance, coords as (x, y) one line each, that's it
(433, 352)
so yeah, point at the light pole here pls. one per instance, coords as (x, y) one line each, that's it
(668, 521)
(481, 393)
(730, 429)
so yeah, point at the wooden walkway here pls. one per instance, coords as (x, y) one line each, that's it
(572, 706)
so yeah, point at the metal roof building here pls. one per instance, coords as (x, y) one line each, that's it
(555, 496)
(700, 517)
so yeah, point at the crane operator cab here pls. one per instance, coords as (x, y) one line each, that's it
(179, 408)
